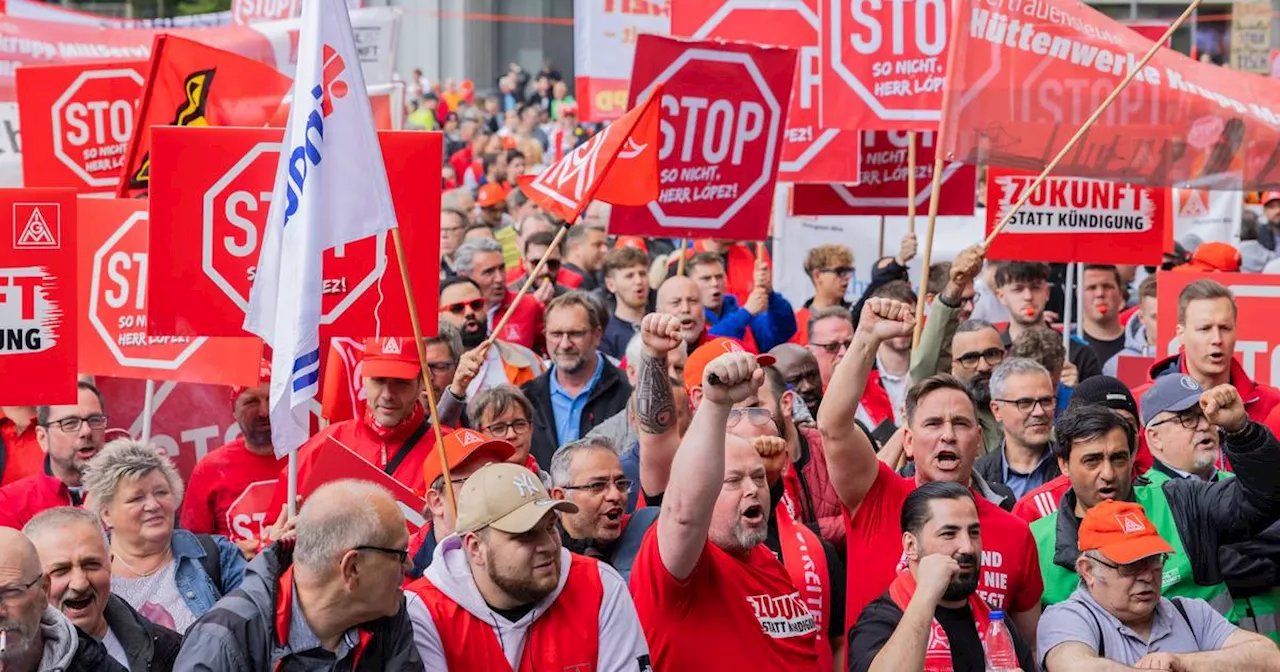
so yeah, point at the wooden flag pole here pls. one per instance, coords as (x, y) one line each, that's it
(684, 242)
(528, 282)
(911, 182)
(1088, 123)
(936, 187)
(426, 374)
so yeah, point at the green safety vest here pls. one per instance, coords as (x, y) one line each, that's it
(1178, 579)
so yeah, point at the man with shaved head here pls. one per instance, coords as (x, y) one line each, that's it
(329, 601)
(680, 296)
(34, 635)
(76, 558)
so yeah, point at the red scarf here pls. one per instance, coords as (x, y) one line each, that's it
(400, 432)
(806, 564)
(937, 655)
(875, 400)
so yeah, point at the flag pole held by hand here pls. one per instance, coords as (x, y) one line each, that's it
(1088, 123)
(524, 289)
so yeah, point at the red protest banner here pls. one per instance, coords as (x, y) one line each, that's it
(76, 123)
(1257, 302)
(1022, 86)
(724, 109)
(187, 421)
(38, 272)
(1070, 219)
(333, 462)
(810, 153)
(886, 63)
(210, 210)
(883, 189)
(113, 293)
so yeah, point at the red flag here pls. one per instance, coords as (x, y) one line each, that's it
(618, 165)
(1021, 86)
(192, 84)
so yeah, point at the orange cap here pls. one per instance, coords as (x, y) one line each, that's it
(1211, 257)
(708, 351)
(462, 446)
(1122, 532)
(490, 194)
(1268, 196)
(390, 357)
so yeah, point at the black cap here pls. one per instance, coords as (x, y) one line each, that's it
(1104, 391)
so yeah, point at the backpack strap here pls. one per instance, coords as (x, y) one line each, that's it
(212, 560)
(405, 449)
(1102, 640)
(624, 555)
(1177, 602)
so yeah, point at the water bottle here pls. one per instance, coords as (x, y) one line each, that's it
(1001, 656)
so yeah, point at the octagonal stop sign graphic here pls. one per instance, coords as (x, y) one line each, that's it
(724, 111)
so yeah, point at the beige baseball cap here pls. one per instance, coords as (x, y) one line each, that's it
(506, 497)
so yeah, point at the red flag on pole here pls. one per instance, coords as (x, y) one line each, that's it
(618, 165)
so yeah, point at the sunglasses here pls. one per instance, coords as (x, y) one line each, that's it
(552, 265)
(461, 306)
(845, 272)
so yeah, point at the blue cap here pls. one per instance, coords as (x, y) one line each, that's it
(1173, 393)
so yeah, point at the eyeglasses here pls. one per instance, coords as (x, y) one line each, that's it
(11, 594)
(756, 415)
(500, 428)
(441, 367)
(842, 271)
(1027, 404)
(575, 335)
(1155, 562)
(992, 356)
(834, 347)
(1189, 419)
(461, 306)
(597, 488)
(400, 553)
(72, 424)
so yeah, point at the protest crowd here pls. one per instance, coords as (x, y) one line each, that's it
(615, 452)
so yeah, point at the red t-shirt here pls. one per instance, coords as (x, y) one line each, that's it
(229, 493)
(1010, 565)
(23, 455)
(730, 614)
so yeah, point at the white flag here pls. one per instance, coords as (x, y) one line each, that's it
(330, 189)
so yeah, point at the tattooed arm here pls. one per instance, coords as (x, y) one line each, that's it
(654, 402)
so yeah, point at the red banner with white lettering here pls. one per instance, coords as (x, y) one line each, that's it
(38, 302)
(210, 194)
(1021, 86)
(113, 319)
(883, 188)
(1075, 219)
(810, 153)
(724, 115)
(76, 123)
(1257, 299)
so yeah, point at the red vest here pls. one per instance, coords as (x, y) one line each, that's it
(565, 637)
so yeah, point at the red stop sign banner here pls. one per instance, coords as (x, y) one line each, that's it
(885, 63)
(38, 302)
(76, 122)
(883, 188)
(724, 113)
(810, 153)
(210, 193)
(245, 12)
(113, 292)
(1076, 219)
(1257, 301)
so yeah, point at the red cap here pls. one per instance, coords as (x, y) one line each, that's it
(462, 446)
(490, 194)
(1122, 532)
(569, 108)
(390, 357)
(264, 376)
(710, 350)
(1269, 196)
(1211, 257)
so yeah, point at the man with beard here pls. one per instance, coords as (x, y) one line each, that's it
(581, 389)
(976, 351)
(504, 594)
(679, 296)
(1118, 614)
(480, 367)
(931, 617)
(231, 488)
(69, 435)
(1023, 403)
(75, 557)
(799, 369)
(481, 260)
(942, 436)
(710, 595)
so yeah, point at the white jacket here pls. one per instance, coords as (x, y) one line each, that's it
(622, 644)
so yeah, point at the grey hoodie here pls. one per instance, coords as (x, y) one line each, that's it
(60, 641)
(1135, 343)
(622, 645)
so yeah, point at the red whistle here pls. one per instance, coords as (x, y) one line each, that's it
(1102, 309)
(1029, 311)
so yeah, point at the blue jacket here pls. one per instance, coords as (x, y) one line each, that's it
(775, 326)
(195, 585)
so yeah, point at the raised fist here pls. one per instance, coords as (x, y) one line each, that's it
(1223, 407)
(660, 333)
(966, 266)
(737, 377)
(883, 319)
(773, 450)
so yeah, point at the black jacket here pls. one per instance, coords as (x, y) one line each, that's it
(1078, 353)
(1208, 515)
(991, 466)
(150, 647)
(608, 397)
(239, 633)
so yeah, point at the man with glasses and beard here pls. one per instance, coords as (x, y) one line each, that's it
(976, 351)
(504, 593)
(536, 248)
(932, 618)
(480, 367)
